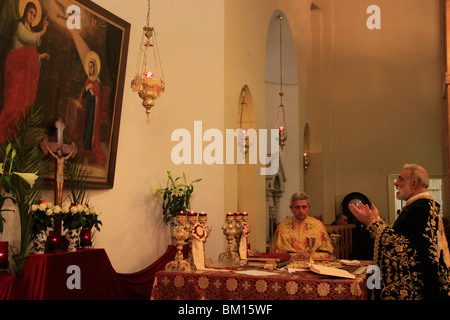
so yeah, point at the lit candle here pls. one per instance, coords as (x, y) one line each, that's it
(4, 255)
(281, 128)
(149, 75)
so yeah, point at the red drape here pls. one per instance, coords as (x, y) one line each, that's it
(46, 277)
(6, 286)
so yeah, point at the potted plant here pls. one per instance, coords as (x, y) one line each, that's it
(7, 190)
(12, 187)
(176, 196)
(26, 188)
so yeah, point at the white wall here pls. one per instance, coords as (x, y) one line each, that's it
(382, 94)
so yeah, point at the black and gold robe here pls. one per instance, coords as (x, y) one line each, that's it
(412, 255)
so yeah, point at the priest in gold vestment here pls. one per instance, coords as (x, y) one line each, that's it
(412, 254)
(292, 234)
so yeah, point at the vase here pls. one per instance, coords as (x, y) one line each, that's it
(73, 239)
(85, 238)
(39, 242)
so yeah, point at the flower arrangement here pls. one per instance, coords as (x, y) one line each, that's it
(75, 216)
(43, 213)
(71, 215)
(176, 196)
(89, 218)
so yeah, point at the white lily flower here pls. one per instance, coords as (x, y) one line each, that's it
(29, 178)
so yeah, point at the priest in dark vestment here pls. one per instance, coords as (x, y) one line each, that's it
(412, 254)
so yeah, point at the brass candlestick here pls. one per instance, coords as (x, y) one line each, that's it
(334, 240)
(311, 243)
(191, 220)
(238, 226)
(229, 230)
(180, 234)
(246, 229)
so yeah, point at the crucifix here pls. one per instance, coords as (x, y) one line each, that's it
(61, 152)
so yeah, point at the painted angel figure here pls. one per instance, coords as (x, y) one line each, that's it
(22, 67)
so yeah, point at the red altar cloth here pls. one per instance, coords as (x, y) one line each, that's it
(210, 284)
(6, 285)
(45, 277)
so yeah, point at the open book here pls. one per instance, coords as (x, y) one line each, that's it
(331, 271)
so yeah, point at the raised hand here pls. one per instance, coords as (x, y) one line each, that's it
(364, 213)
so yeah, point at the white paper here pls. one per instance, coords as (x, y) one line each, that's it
(257, 273)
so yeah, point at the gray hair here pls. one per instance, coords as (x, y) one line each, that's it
(418, 173)
(300, 196)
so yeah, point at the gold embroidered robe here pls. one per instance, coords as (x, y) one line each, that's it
(410, 257)
(291, 237)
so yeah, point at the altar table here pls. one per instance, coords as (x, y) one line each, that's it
(229, 285)
(46, 277)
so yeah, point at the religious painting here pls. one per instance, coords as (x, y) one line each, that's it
(67, 58)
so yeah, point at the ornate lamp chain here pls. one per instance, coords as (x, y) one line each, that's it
(281, 93)
(148, 13)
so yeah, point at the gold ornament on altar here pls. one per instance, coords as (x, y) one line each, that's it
(334, 240)
(311, 244)
(191, 221)
(238, 226)
(180, 233)
(244, 236)
(202, 219)
(229, 257)
(149, 78)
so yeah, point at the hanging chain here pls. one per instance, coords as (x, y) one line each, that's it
(281, 93)
(148, 13)
(280, 17)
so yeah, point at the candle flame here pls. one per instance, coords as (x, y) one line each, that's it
(149, 75)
